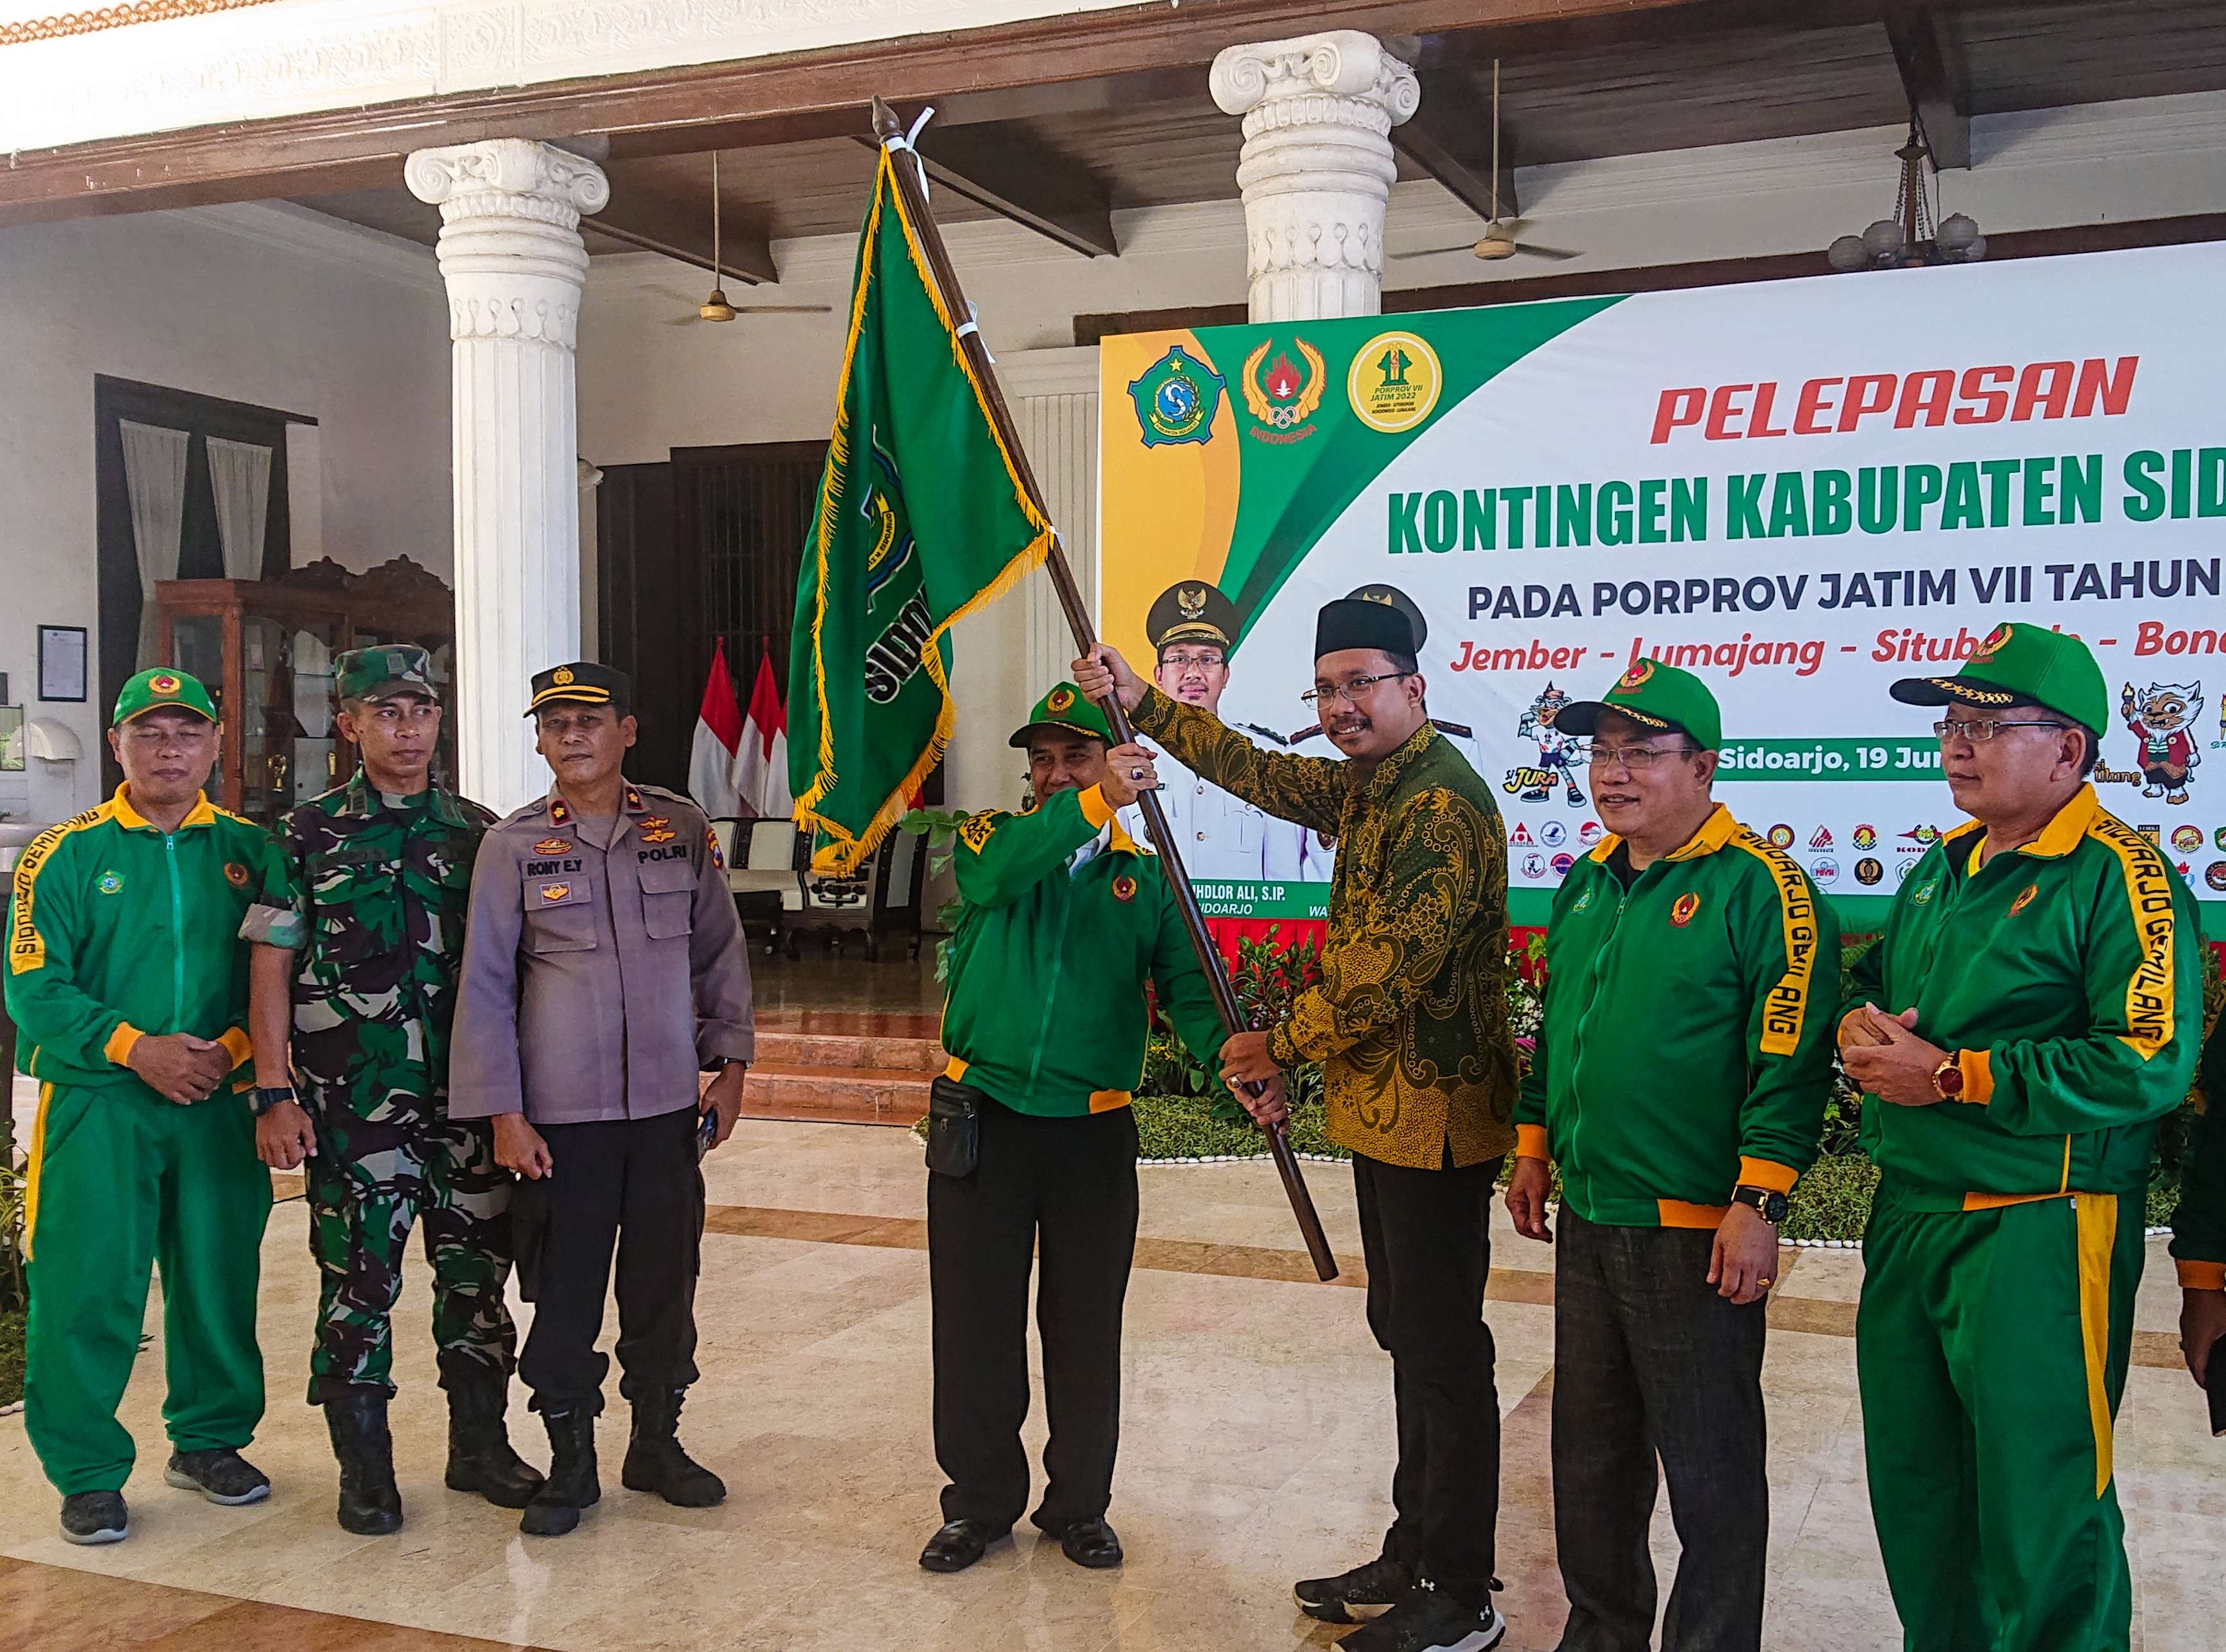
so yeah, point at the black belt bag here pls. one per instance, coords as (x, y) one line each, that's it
(954, 1128)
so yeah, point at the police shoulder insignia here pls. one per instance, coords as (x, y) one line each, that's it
(553, 846)
(717, 859)
(975, 830)
(1682, 912)
(2025, 898)
(235, 874)
(1125, 887)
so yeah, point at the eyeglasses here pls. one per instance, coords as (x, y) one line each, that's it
(1328, 693)
(1984, 729)
(1637, 758)
(1184, 662)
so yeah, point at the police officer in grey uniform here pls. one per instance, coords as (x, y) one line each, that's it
(604, 967)
(1191, 627)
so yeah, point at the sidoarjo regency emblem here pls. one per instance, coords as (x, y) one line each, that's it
(1176, 399)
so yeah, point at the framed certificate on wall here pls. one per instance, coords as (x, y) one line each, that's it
(61, 662)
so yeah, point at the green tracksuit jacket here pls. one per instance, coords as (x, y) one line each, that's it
(116, 929)
(1046, 1011)
(1686, 1046)
(2068, 975)
(2198, 1227)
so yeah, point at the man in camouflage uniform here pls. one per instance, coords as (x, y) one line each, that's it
(358, 937)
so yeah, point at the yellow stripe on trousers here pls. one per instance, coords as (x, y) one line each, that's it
(2098, 1238)
(31, 1171)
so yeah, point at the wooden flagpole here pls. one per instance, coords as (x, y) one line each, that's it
(910, 182)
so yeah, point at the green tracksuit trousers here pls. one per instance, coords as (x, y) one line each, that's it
(121, 1179)
(1991, 1348)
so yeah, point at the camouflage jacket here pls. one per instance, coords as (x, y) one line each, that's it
(371, 893)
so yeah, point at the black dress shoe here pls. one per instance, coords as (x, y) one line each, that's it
(958, 1544)
(1091, 1543)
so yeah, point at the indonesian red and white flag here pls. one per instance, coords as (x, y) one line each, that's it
(718, 734)
(761, 763)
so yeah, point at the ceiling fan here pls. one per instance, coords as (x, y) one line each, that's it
(715, 307)
(1498, 240)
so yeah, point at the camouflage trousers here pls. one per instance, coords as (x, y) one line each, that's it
(370, 1181)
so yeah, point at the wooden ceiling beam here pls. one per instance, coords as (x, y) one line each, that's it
(1017, 176)
(659, 224)
(1449, 136)
(799, 96)
(1932, 74)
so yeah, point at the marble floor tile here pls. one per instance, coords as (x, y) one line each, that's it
(1257, 1447)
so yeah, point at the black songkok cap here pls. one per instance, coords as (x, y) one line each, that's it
(1356, 622)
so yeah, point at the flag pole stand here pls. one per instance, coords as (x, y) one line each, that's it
(911, 185)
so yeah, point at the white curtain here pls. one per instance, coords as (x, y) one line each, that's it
(155, 474)
(240, 473)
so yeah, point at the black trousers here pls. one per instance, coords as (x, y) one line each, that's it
(1066, 1189)
(1648, 1361)
(627, 1183)
(1426, 1239)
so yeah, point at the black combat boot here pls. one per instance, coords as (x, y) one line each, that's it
(371, 1504)
(479, 1456)
(654, 1461)
(571, 1484)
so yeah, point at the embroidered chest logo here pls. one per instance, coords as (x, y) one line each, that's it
(554, 892)
(2025, 898)
(1583, 902)
(1922, 895)
(235, 874)
(1125, 887)
(1682, 912)
(109, 882)
(553, 846)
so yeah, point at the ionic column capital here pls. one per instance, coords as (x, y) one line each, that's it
(509, 244)
(1317, 168)
(1340, 76)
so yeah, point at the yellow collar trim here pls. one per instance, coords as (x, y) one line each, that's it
(201, 814)
(1716, 832)
(2064, 832)
(1121, 843)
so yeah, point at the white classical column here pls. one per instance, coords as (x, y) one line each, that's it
(512, 256)
(1317, 168)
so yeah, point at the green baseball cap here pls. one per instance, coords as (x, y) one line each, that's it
(1065, 707)
(380, 673)
(162, 688)
(2020, 664)
(1657, 697)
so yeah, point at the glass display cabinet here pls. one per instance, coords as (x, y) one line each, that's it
(265, 648)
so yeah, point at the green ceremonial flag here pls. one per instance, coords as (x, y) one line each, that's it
(921, 519)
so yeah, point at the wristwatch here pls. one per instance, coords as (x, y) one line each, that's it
(261, 1101)
(1948, 1078)
(1765, 1202)
(720, 1063)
